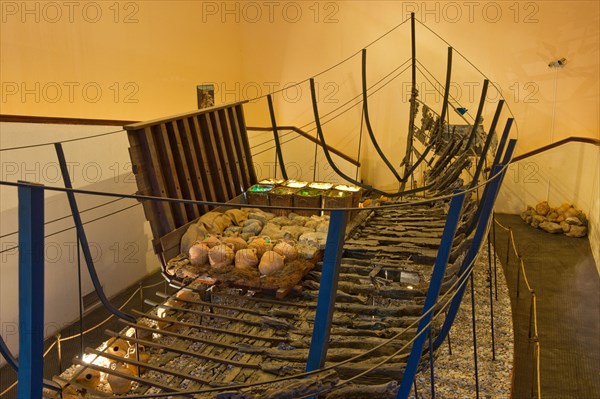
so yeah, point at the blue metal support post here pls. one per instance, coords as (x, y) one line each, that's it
(31, 291)
(433, 293)
(327, 290)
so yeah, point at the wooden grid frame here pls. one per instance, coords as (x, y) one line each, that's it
(202, 155)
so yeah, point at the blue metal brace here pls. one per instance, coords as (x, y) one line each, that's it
(327, 290)
(31, 291)
(432, 294)
(486, 210)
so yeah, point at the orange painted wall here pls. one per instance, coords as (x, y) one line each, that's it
(146, 57)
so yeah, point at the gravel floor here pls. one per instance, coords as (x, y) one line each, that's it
(454, 373)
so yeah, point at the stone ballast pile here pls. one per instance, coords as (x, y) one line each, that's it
(565, 219)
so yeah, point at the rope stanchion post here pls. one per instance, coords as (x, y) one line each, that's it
(137, 347)
(532, 325)
(431, 370)
(491, 297)
(519, 275)
(534, 371)
(537, 373)
(508, 246)
(495, 255)
(142, 296)
(531, 314)
(474, 327)
(59, 353)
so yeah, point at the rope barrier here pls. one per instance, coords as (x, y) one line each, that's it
(154, 285)
(533, 335)
(7, 390)
(102, 322)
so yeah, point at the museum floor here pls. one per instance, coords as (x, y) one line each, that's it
(562, 272)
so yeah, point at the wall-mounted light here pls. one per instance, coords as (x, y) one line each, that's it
(558, 63)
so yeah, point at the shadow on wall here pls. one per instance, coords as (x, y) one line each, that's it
(118, 235)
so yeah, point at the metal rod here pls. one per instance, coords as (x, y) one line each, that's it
(474, 336)
(137, 350)
(8, 356)
(508, 245)
(141, 296)
(533, 372)
(495, 255)
(447, 88)
(503, 139)
(82, 238)
(440, 127)
(362, 116)
(182, 336)
(139, 365)
(59, 353)
(368, 120)
(477, 120)
(407, 161)
(491, 296)
(31, 291)
(198, 355)
(486, 146)
(530, 315)
(279, 154)
(210, 315)
(518, 276)
(80, 295)
(207, 328)
(431, 371)
(141, 381)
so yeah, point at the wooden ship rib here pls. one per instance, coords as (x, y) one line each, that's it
(399, 267)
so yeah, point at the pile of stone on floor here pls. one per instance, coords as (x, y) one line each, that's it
(564, 219)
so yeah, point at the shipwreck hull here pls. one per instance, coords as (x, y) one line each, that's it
(354, 319)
